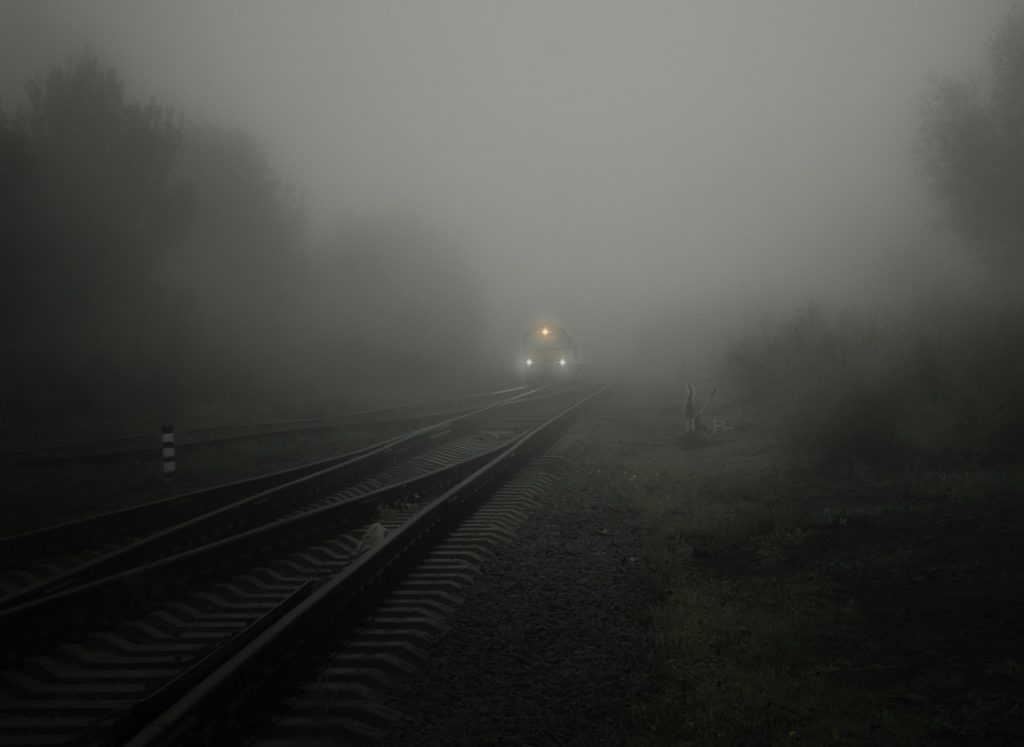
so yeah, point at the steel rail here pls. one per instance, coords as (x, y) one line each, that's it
(70, 607)
(78, 532)
(141, 445)
(163, 581)
(116, 727)
(339, 600)
(248, 509)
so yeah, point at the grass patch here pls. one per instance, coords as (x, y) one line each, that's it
(746, 663)
(803, 607)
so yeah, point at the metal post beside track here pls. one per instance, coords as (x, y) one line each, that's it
(167, 441)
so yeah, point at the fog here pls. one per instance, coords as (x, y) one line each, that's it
(649, 175)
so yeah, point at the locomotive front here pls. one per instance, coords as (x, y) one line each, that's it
(549, 354)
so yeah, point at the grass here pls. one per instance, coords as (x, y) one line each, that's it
(798, 606)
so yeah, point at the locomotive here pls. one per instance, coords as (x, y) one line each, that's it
(549, 354)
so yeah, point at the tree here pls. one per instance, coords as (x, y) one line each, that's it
(89, 211)
(102, 164)
(241, 265)
(245, 209)
(971, 148)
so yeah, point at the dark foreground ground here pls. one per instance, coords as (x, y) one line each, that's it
(712, 594)
(554, 641)
(709, 593)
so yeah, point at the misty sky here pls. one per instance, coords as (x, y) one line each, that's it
(593, 155)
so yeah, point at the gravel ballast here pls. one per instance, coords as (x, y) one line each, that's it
(553, 639)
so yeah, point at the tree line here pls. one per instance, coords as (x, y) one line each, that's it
(945, 386)
(150, 265)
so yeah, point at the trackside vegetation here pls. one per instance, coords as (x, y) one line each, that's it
(797, 605)
(843, 566)
(154, 266)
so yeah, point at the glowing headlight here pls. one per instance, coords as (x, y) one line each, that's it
(561, 362)
(529, 361)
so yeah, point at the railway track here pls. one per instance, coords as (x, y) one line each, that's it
(201, 438)
(339, 695)
(45, 560)
(151, 644)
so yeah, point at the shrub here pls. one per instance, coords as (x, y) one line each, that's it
(849, 390)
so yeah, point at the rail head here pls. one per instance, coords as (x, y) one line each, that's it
(14, 547)
(221, 687)
(61, 604)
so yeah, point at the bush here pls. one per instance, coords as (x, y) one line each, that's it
(848, 390)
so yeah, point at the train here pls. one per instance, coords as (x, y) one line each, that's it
(550, 354)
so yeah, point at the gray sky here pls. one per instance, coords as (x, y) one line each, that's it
(597, 157)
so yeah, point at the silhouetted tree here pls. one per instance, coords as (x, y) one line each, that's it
(241, 265)
(244, 208)
(101, 165)
(149, 265)
(972, 150)
(89, 210)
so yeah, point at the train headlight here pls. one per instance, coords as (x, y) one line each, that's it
(561, 362)
(529, 361)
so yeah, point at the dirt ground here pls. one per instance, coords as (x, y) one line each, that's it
(553, 642)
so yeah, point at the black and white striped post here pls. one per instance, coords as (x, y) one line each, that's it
(167, 441)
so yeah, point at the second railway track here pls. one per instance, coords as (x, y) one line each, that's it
(40, 562)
